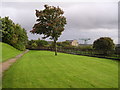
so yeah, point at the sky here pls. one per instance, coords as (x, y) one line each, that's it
(91, 19)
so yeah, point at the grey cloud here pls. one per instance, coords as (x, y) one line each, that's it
(83, 19)
(79, 16)
(90, 16)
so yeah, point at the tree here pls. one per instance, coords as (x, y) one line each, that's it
(104, 45)
(50, 23)
(13, 34)
(7, 29)
(34, 45)
(64, 44)
(41, 43)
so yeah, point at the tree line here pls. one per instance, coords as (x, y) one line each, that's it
(13, 34)
(103, 46)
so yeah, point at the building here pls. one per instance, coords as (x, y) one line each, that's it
(73, 42)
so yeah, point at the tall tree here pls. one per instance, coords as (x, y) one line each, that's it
(12, 33)
(50, 23)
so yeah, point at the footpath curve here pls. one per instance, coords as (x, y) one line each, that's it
(6, 65)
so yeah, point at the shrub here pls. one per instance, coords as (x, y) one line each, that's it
(104, 45)
(37, 43)
(41, 43)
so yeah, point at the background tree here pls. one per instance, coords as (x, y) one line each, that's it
(104, 45)
(7, 29)
(50, 23)
(39, 43)
(13, 34)
(64, 44)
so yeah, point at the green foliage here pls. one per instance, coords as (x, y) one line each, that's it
(34, 45)
(51, 45)
(41, 43)
(85, 48)
(37, 43)
(13, 34)
(7, 29)
(64, 44)
(30, 42)
(104, 45)
(50, 23)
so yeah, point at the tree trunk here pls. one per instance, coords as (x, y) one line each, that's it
(55, 46)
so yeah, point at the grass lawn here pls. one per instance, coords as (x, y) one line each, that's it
(8, 52)
(41, 69)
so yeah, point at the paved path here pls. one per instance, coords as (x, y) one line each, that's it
(6, 65)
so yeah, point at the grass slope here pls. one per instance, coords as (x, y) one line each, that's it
(41, 69)
(8, 51)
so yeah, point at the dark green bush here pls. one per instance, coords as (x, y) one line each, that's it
(104, 45)
(37, 43)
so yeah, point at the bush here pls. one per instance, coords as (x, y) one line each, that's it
(64, 44)
(41, 43)
(104, 45)
(85, 48)
(37, 43)
(34, 45)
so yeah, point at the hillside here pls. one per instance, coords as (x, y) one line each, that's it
(8, 51)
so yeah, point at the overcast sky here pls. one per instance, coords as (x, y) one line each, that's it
(84, 19)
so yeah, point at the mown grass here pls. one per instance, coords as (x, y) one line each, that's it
(8, 51)
(41, 69)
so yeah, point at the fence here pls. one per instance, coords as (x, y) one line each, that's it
(75, 51)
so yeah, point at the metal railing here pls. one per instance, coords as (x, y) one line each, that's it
(75, 51)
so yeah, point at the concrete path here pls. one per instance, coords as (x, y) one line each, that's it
(6, 65)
